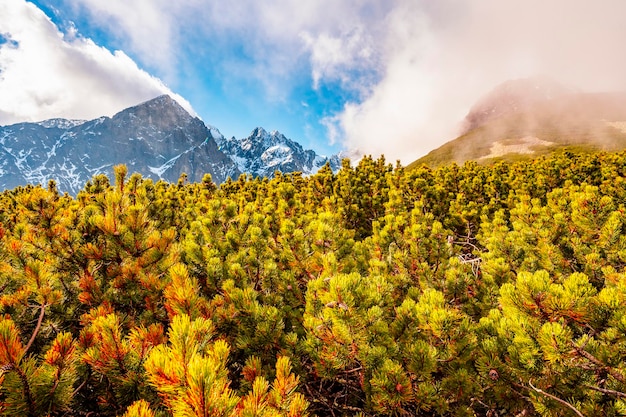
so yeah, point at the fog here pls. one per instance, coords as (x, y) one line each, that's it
(443, 59)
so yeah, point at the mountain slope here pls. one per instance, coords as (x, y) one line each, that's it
(526, 118)
(262, 153)
(158, 139)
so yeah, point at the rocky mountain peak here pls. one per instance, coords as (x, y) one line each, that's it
(259, 132)
(264, 139)
(262, 153)
(160, 112)
(158, 139)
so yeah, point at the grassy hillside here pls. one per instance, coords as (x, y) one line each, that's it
(581, 122)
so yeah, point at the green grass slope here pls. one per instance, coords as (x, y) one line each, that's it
(581, 122)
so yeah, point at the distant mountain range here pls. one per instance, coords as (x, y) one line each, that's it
(519, 119)
(157, 139)
(263, 153)
(529, 117)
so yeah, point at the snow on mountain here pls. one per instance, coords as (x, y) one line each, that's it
(263, 153)
(64, 124)
(158, 139)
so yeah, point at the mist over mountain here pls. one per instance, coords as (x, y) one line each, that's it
(158, 139)
(534, 116)
(514, 96)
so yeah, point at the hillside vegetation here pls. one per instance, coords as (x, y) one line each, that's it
(580, 122)
(474, 290)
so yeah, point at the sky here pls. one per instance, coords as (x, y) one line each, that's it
(392, 77)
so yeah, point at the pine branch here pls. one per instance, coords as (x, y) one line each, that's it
(52, 391)
(42, 310)
(477, 400)
(319, 400)
(524, 397)
(79, 387)
(66, 287)
(565, 403)
(26, 389)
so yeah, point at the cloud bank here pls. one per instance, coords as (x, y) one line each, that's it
(440, 61)
(265, 41)
(414, 67)
(46, 74)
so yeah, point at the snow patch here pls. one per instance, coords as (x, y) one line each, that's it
(276, 155)
(98, 170)
(242, 163)
(53, 151)
(159, 171)
(5, 136)
(215, 133)
(61, 123)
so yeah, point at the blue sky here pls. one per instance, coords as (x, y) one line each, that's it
(218, 73)
(363, 76)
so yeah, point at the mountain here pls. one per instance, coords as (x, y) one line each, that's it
(514, 96)
(534, 116)
(262, 153)
(158, 139)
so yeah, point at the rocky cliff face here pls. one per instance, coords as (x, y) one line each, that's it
(158, 139)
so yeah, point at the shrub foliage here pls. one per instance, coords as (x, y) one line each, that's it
(461, 291)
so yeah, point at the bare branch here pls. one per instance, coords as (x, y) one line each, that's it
(607, 391)
(613, 372)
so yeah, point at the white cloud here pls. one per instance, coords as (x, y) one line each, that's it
(273, 39)
(338, 57)
(143, 26)
(45, 74)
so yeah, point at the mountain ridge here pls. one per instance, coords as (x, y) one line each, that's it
(157, 138)
(262, 153)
